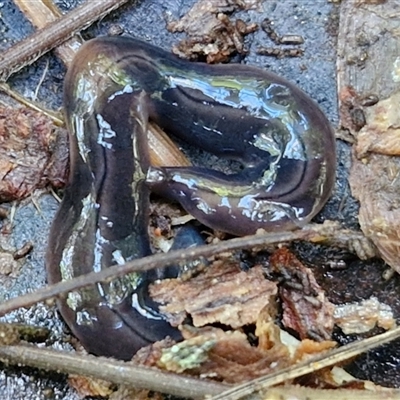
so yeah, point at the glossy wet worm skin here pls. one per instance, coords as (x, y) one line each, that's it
(114, 86)
(103, 221)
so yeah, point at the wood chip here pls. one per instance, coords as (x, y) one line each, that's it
(27, 142)
(224, 294)
(306, 309)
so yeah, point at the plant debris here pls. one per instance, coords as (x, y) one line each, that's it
(364, 316)
(268, 27)
(306, 309)
(28, 156)
(213, 36)
(223, 294)
(371, 119)
(228, 356)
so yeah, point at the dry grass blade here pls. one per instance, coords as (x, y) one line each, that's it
(53, 115)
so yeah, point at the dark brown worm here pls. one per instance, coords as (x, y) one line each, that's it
(278, 134)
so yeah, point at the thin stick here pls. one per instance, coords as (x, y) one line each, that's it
(322, 361)
(118, 372)
(41, 13)
(43, 40)
(149, 378)
(146, 263)
(314, 233)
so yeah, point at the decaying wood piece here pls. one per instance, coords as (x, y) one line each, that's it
(306, 310)
(369, 67)
(376, 184)
(223, 294)
(29, 156)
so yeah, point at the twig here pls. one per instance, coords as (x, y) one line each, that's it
(314, 233)
(129, 374)
(118, 372)
(43, 40)
(322, 361)
(41, 13)
(147, 263)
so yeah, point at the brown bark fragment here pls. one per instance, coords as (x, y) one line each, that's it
(381, 134)
(368, 62)
(306, 310)
(27, 139)
(224, 294)
(375, 183)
